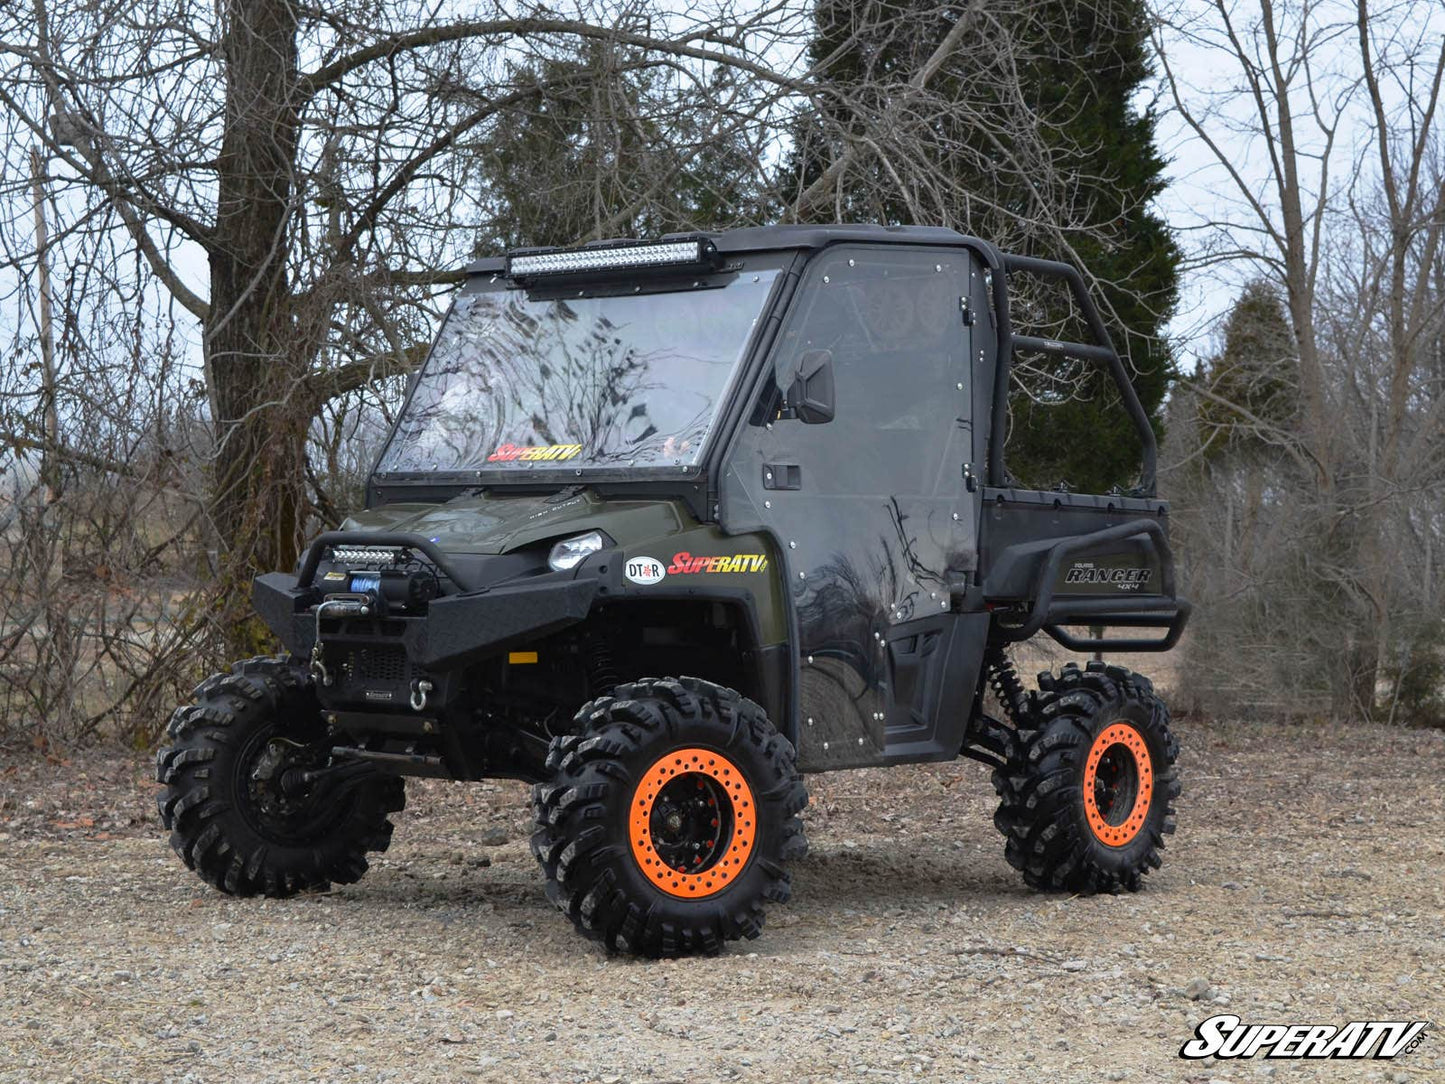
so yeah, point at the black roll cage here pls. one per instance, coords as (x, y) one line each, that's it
(1100, 351)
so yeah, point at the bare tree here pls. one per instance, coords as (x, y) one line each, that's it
(1351, 234)
(322, 184)
(284, 190)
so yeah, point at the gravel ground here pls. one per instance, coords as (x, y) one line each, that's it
(1306, 883)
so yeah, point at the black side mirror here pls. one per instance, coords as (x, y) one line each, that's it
(810, 398)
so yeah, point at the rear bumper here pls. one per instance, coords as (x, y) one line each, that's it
(1171, 615)
(1118, 548)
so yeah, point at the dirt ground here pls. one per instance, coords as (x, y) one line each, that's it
(1306, 884)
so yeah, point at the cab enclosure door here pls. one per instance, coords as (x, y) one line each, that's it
(869, 506)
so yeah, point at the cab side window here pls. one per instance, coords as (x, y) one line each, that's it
(892, 323)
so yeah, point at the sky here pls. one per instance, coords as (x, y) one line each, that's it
(1201, 191)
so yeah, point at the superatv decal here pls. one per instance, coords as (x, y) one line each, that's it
(1123, 578)
(1227, 1036)
(534, 452)
(685, 564)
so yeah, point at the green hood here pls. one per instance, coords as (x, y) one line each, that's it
(488, 523)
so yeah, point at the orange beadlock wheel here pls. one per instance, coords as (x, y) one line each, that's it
(1118, 784)
(693, 823)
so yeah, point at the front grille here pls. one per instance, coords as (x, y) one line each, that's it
(369, 664)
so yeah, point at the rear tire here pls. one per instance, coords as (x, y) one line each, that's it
(669, 818)
(248, 836)
(1086, 797)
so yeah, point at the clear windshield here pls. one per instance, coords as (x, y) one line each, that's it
(520, 384)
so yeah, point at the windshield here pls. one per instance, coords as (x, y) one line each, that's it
(517, 383)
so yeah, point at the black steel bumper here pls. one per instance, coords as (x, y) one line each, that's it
(1053, 613)
(455, 630)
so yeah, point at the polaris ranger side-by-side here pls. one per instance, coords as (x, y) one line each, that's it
(663, 525)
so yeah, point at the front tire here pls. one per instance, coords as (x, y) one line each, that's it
(234, 820)
(1086, 795)
(669, 819)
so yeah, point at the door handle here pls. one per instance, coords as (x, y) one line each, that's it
(782, 476)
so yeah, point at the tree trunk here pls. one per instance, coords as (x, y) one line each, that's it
(254, 366)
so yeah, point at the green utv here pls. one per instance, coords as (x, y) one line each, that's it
(663, 525)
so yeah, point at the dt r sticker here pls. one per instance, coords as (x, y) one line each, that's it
(644, 570)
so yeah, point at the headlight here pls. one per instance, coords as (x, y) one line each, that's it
(571, 552)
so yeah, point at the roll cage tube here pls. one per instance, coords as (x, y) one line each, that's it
(1101, 351)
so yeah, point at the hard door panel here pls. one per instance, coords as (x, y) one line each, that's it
(870, 507)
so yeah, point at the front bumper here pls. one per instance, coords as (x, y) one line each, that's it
(455, 630)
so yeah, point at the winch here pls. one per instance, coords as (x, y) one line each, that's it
(390, 577)
(394, 589)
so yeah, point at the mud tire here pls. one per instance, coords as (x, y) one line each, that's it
(1042, 809)
(582, 838)
(217, 828)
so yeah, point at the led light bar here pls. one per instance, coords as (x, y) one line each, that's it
(378, 557)
(694, 252)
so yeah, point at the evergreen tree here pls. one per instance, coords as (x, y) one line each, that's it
(1255, 374)
(1075, 69)
(604, 146)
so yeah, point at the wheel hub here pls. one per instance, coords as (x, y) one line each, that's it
(689, 822)
(281, 783)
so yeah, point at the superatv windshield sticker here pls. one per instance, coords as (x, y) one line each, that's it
(644, 570)
(534, 452)
(685, 564)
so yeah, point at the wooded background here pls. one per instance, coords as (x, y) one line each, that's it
(227, 231)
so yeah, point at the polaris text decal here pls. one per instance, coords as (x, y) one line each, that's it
(685, 564)
(533, 452)
(1227, 1036)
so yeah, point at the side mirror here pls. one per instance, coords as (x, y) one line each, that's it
(810, 398)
